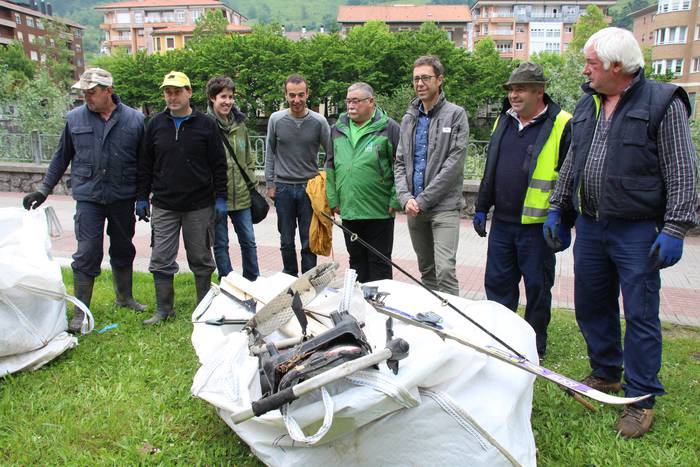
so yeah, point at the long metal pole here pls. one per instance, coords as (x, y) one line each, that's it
(355, 238)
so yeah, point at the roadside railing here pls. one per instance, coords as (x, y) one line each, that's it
(38, 148)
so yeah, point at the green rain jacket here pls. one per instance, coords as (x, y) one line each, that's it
(360, 176)
(234, 129)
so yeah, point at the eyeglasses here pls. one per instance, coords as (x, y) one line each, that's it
(354, 101)
(425, 78)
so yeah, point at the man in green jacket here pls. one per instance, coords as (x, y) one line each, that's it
(360, 180)
(231, 121)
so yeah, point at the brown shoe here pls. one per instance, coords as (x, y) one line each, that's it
(635, 421)
(602, 385)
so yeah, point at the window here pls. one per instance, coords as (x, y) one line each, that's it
(180, 14)
(43, 58)
(33, 55)
(695, 65)
(52, 42)
(568, 29)
(168, 16)
(18, 18)
(169, 43)
(671, 35)
(39, 24)
(673, 5)
(551, 47)
(138, 17)
(153, 17)
(187, 39)
(519, 45)
(674, 65)
(156, 42)
(30, 21)
(697, 32)
(77, 33)
(31, 38)
(123, 17)
(20, 36)
(519, 28)
(196, 14)
(78, 48)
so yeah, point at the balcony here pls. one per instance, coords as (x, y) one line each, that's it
(8, 23)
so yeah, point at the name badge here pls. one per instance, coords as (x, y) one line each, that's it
(446, 129)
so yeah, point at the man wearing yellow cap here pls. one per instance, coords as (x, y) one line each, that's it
(101, 142)
(183, 171)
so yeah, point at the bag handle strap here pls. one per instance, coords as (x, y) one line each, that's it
(295, 431)
(227, 143)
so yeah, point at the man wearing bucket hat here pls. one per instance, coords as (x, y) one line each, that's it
(101, 141)
(528, 144)
(184, 169)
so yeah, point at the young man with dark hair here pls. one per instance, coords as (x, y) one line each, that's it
(294, 136)
(231, 122)
(184, 167)
(429, 173)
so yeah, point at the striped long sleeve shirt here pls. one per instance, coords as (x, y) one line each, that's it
(678, 165)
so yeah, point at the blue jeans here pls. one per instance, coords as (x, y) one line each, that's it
(294, 207)
(89, 232)
(515, 251)
(612, 255)
(243, 225)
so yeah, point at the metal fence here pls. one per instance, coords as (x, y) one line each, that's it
(38, 148)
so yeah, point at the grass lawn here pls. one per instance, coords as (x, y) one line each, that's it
(123, 398)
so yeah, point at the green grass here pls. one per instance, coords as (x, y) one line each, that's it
(122, 392)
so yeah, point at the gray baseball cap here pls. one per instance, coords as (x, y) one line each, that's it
(92, 77)
(526, 73)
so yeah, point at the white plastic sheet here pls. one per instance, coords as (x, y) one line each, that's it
(32, 294)
(448, 405)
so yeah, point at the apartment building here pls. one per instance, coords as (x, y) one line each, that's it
(672, 29)
(26, 22)
(523, 29)
(454, 19)
(157, 26)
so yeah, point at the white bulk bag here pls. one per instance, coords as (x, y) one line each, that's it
(448, 405)
(32, 294)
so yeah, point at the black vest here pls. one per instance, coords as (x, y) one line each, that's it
(632, 184)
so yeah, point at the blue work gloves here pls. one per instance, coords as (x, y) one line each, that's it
(221, 209)
(33, 200)
(557, 236)
(667, 249)
(143, 210)
(479, 223)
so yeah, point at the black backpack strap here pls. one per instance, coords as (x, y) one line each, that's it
(227, 143)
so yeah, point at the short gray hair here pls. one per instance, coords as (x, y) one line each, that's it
(616, 45)
(364, 87)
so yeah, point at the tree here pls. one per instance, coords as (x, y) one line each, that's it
(56, 55)
(212, 23)
(565, 77)
(395, 105)
(592, 21)
(15, 65)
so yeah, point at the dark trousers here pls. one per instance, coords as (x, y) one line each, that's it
(609, 256)
(515, 251)
(89, 227)
(293, 208)
(380, 234)
(243, 225)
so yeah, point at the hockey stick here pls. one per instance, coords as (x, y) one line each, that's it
(573, 387)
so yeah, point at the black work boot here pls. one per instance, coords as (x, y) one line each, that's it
(202, 284)
(165, 296)
(122, 279)
(82, 286)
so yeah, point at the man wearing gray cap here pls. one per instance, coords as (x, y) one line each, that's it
(101, 141)
(528, 145)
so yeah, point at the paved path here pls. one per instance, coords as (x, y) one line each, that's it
(680, 293)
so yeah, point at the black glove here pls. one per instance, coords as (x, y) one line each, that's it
(33, 200)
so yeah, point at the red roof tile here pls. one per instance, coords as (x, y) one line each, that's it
(405, 13)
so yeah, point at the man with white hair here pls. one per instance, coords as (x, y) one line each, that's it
(631, 174)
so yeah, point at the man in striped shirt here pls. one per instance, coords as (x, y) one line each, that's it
(631, 174)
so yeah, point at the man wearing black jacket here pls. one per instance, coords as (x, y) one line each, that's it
(184, 168)
(529, 142)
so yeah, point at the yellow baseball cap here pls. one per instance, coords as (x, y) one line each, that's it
(177, 79)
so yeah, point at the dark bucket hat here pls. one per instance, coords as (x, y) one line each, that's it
(526, 73)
